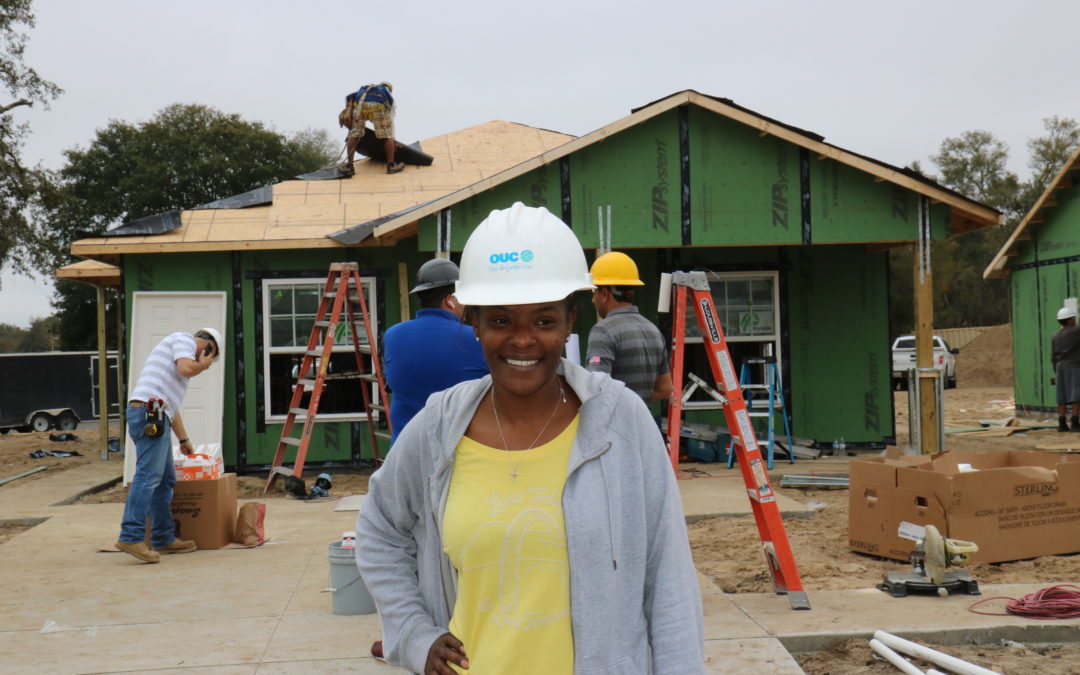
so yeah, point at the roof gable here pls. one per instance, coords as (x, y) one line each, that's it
(967, 213)
(1065, 178)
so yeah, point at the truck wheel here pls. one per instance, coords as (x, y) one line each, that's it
(67, 421)
(41, 421)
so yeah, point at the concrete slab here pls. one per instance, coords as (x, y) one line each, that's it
(723, 494)
(67, 608)
(760, 655)
(839, 615)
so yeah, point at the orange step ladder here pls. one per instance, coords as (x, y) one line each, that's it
(342, 298)
(728, 392)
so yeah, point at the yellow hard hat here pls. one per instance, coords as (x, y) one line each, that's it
(615, 269)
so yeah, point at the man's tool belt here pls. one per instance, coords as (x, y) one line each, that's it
(155, 417)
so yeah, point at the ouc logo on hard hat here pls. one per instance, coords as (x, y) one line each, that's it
(511, 257)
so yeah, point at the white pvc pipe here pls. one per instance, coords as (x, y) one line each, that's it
(932, 655)
(663, 304)
(894, 658)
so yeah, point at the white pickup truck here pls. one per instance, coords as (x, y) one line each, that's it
(903, 358)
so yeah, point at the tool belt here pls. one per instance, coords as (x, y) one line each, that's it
(155, 417)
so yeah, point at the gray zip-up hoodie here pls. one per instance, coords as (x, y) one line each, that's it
(634, 597)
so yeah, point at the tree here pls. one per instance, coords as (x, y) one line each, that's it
(41, 337)
(1048, 154)
(18, 184)
(185, 156)
(975, 164)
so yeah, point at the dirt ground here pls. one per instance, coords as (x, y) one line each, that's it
(728, 549)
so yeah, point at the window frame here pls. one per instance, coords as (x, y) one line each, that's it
(267, 286)
(773, 338)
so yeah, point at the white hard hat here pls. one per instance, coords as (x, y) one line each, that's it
(519, 256)
(1066, 313)
(212, 334)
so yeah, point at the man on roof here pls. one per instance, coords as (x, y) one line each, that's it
(374, 103)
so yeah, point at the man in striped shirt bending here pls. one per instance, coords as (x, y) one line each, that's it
(164, 376)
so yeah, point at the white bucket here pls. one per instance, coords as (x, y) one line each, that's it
(350, 595)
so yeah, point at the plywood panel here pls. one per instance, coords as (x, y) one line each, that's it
(198, 225)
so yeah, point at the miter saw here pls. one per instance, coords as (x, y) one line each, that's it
(932, 555)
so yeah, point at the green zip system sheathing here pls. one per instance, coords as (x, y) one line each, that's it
(1043, 275)
(331, 441)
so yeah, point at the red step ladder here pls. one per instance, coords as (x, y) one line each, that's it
(342, 297)
(728, 392)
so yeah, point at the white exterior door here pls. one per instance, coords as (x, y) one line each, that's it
(154, 315)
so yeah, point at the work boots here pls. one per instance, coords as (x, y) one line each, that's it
(1061, 423)
(140, 551)
(1075, 419)
(178, 546)
(394, 167)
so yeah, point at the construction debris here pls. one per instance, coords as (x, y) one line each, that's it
(814, 480)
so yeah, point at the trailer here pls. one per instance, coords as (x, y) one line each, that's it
(53, 390)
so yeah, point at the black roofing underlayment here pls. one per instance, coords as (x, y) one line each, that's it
(260, 196)
(354, 234)
(159, 223)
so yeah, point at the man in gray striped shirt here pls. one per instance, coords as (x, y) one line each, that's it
(165, 375)
(625, 344)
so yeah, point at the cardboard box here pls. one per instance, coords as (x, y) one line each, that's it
(205, 510)
(1014, 504)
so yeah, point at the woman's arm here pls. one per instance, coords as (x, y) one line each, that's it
(672, 595)
(387, 551)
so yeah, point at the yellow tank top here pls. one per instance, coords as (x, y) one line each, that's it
(503, 530)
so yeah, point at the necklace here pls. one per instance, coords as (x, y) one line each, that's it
(559, 401)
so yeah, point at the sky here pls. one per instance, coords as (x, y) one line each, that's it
(888, 80)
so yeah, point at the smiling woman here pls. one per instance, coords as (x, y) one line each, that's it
(528, 521)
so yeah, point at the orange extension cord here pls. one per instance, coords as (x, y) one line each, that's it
(1054, 602)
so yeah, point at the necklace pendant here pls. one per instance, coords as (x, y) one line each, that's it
(514, 473)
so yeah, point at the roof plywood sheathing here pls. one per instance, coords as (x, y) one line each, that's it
(304, 213)
(374, 208)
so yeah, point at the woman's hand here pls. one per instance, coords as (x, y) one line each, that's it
(445, 648)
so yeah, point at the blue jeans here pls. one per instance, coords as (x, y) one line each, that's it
(151, 490)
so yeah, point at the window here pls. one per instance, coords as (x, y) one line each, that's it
(289, 309)
(748, 305)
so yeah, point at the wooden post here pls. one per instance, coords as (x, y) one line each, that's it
(121, 389)
(103, 376)
(403, 290)
(924, 335)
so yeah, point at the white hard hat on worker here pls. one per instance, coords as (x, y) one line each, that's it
(521, 255)
(1066, 313)
(212, 335)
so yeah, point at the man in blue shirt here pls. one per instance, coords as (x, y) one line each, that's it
(432, 352)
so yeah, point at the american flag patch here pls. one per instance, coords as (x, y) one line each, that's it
(594, 359)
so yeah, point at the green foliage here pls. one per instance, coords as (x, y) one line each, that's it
(185, 156)
(1048, 154)
(975, 164)
(75, 307)
(40, 337)
(18, 184)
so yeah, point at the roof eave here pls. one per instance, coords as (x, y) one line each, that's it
(998, 266)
